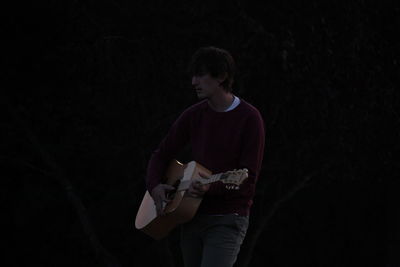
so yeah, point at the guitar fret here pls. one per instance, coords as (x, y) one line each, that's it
(220, 176)
(213, 178)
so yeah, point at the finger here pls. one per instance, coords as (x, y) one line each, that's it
(201, 187)
(193, 194)
(206, 187)
(169, 187)
(197, 183)
(203, 175)
(164, 198)
(197, 189)
(198, 192)
(197, 195)
(159, 208)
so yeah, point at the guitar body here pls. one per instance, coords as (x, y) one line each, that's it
(179, 210)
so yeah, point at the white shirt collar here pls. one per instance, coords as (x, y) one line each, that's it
(235, 103)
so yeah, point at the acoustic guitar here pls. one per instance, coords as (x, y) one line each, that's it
(182, 207)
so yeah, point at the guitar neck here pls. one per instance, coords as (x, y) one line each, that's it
(232, 177)
(213, 178)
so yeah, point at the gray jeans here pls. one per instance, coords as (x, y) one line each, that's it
(213, 240)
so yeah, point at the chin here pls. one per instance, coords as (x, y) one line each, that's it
(200, 96)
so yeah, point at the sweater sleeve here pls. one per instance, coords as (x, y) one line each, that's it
(168, 149)
(253, 147)
(251, 156)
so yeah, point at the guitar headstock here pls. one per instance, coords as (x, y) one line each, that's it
(234, 177)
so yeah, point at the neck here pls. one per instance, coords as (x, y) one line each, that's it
(220, 102)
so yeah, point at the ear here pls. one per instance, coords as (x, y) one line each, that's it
(222, 77)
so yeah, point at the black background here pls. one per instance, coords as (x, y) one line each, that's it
(95, 85)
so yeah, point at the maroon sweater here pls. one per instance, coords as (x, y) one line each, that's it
(220, 141)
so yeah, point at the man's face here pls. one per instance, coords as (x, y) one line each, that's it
(205, 85)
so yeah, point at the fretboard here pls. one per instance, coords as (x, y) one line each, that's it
(213, 178)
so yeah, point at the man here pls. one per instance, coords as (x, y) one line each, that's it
(225, 133)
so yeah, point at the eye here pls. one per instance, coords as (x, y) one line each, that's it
(200, 74)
